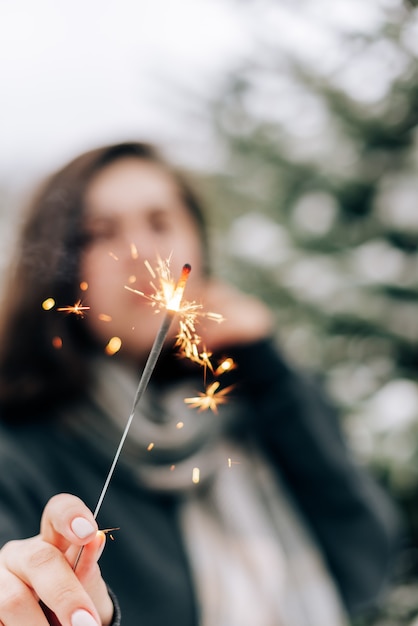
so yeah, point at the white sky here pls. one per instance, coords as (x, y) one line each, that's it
(75, 73)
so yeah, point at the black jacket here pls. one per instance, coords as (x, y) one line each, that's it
(146, 566)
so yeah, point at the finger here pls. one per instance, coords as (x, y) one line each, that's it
(67, 520)
(44, 568)
(88, 572)
(86, 557)
(18, 605)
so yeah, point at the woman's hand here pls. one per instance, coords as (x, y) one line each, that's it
(41, 569)
(246, 319)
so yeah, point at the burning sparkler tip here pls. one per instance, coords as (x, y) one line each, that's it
(175, 300)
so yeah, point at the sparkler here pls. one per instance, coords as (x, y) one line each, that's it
(168, 298)
(172, 306)
(187, 340)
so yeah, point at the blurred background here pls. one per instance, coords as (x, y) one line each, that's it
(299, 121)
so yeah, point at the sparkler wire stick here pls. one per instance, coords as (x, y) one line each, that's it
(143, 383)
(172, 308)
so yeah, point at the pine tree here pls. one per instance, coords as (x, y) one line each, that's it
(318, 203)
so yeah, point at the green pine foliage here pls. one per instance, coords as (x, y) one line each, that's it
(318, 207)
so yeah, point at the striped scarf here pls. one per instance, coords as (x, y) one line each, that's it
(253, 559)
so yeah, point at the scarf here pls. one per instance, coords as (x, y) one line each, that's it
(252, 557)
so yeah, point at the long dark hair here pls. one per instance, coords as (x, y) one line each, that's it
(43, 353)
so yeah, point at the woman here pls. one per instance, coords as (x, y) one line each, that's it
(279, 527)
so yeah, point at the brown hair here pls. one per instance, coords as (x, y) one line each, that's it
(35, 375)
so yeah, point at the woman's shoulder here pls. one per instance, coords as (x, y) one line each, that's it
(24, 448)
(15, 435)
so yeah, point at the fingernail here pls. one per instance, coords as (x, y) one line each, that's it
(82, 527)
(82, 618)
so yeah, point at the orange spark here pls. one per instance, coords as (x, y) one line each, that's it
(226, 366)
(114, 345)
(149, 267)
(134, 251)
(209, 399)
(77, 308)
(48, 304)
(57, 342)
(104, 318)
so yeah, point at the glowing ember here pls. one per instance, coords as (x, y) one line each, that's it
(134, 251)
(151, 271)
(226, 366)
(114, 345)
(104, 318)
(84, 286)
(174, 302)
(76, 309)
(195, 475)
(109, 531)
(57, 343)
(48, 304)
(210, 399)
(150, 446)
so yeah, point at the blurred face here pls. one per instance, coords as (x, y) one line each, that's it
(134, 213)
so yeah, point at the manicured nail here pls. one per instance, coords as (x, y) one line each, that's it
(82, 618)
(82, 527)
